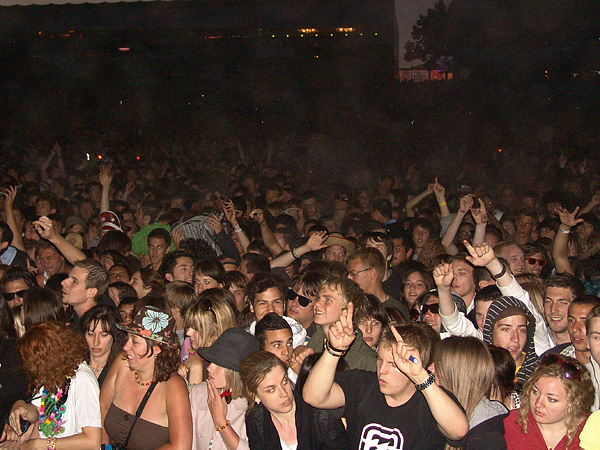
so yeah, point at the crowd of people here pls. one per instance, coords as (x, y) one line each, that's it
(147, 307)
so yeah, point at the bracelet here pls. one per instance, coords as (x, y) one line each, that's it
(425, 384)
(442, 204)
(51, 443)
(237, 230)
(563, 231)
(294, 254)
(221, 428)
(334, 351)
(502, 273)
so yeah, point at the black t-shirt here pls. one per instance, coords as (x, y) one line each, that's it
(393, 286)
(372, 424)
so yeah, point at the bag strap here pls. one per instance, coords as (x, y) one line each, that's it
(138, 413)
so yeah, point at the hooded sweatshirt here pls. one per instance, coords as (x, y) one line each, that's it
(496, 309)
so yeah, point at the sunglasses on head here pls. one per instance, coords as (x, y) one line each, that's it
(11, 296)
(533, 261)
(302, 300)
(569, 370)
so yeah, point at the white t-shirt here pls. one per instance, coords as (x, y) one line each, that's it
(82, 408)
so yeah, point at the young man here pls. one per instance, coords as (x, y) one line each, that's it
(559, 291)
(577, 347)
(301, 299)
(177, 266)
(592, 326)
(338, 248)
(266, 295)
(85, 285)
(400, 406)
(367, 267)
(332, 303)
(159, 241)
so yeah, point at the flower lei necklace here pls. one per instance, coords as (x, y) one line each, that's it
(146, 384)
(52, 408)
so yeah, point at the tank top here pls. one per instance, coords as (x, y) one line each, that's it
(145, 435)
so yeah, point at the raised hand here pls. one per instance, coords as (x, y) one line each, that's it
(466, 203)
(177, 236)
(215, 223)
(258, 215)
(341, 334)
(479, 212)
(439, 190)
(216, 404)
(480, 254)
(443, 275)
(106, 175)
(568, 219)
(229, 211)
(316, 241)
(45, 228)
(299, 356)
(10, 194)
(406, 357)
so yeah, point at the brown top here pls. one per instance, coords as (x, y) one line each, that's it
(145, 436)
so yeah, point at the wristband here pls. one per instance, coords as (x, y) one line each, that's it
(334, 351)
(51, 443)
(294, 254)
(222, 427)
(237, 230)
(442, 204)
(502, 273)
(563, 231)
(425, 384)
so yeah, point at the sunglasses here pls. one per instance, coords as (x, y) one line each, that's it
(302, 300)
(11, 296)
(415, 313)
(342, 198)
(569, 370)
(533, 261)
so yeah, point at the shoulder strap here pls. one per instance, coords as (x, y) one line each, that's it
(139, 411)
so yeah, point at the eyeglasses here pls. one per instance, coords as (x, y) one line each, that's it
(302, 300)
(415, 313)
(11, 296)
(569, 370)
(533, 261)
(356, 272)
(342, 198)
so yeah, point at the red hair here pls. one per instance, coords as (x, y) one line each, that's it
(51, 353)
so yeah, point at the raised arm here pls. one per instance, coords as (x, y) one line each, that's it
(410, 205)
(106, 177)
(466, 203)
(320, 389)
(267, 234)
(46, 230)
(440, 195)
(242, 238)
(595, 201)
(313, 244)
(10, 194)
(451, 419)
(560, 247)
(480, 216)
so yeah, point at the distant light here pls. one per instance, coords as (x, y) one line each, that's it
(345, 30)
(124, 49)
(287, 35)
(317, 34)
(375, 34)
(308, 30)
(331, 34)
(301, 35)
(272, 35)
(87, 155)
(317, 56)
(99, 156)
(346, 34)
(499, 150)
(137, 157)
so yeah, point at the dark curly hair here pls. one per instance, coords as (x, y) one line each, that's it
(167, 361)
(51, 352)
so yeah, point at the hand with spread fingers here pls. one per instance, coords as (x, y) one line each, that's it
(480, 254)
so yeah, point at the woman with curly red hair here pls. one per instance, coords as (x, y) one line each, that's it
(145, 403)
(66, 407)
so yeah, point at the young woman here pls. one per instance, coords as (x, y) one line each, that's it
(372, 319)
(148, 370)
(555, 403)
(208, 274)
(278, 418)
(145, 281)
(65, 412)
(218, 407)
(204, 321)
(416, 282)
(464, 366)
(104, 341)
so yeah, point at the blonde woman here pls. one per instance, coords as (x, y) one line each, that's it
(555, 403)
(205, 320)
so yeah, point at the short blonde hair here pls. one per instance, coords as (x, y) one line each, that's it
(212, 312)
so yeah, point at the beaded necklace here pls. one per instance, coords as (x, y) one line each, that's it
(137, 380)
(52, 408)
